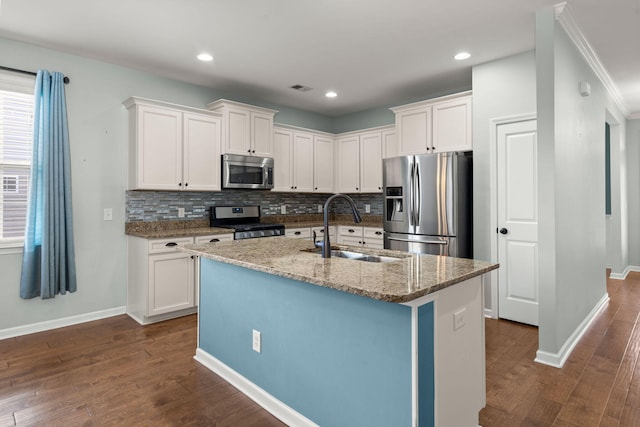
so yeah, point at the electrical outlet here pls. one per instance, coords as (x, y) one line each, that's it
(319, 208)
(180, 212)
(283, 209)
(458, 319)
(108, 214)
(367, 208)
(257, 341)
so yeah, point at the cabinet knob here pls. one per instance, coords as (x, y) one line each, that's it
(179, 184)
(379, 188)
(292, 187)
(248, 151)
(428, 148)
(253, 151)
(295, 188)
(356, 188)
(186, 184)
(315, 188)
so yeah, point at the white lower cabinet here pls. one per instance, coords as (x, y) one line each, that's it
(298, 233)
(370, 237)
(161, 281)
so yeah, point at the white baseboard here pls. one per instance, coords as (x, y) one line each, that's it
(277, 408)
(558, 359)
(489, 313)
(625, 273)
(60, 323)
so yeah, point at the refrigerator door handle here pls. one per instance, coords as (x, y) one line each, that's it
(411, 194)
(418, 195)
(434, 242)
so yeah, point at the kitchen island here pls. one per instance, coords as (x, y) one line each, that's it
(344, 342)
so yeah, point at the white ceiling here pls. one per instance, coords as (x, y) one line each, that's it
(372, 52)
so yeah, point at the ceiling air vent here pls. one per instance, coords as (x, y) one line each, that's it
(301, 88)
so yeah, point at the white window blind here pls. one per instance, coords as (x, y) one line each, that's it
(16, 128)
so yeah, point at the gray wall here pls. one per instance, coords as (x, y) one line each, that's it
(571, 185)
(632, 156)
(501, 89)
(98, 127)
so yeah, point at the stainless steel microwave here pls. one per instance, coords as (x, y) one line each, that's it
(247, 172)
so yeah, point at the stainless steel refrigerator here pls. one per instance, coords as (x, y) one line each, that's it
(428, 204)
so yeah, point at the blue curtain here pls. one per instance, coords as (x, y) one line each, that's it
(48, 262)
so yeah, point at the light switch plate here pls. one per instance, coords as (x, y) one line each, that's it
(458, 319)
(257, 341)
(367, 208)
(108, 214)
(180, 212)
(283, 209)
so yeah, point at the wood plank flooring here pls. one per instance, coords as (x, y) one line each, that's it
(114, 372)
(599, 384)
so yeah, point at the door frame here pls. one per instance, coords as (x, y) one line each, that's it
(494, 310)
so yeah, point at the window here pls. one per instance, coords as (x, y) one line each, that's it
(16, 130)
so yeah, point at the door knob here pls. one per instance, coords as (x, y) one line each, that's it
(503, 231)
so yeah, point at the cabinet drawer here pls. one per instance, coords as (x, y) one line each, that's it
(168, 245)
(350, 240)
(298, 233)
(213, 238)
(345, 230)
(372, 233)
(320, 231)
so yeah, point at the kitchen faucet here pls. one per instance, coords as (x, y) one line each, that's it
(326, 243)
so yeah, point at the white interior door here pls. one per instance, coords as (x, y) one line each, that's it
(518, 222)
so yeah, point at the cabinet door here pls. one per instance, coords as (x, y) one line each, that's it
(349, 165)
(302, 162)
(371, 163)
(322, 165)
(389, 144)
(452, 125)
(261, 134)
(201, 150)
(414, 131)
(171, 283)
(237, 132)
(159, 149)
(373, 237)
(282, 160)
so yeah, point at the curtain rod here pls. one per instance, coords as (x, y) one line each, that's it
(31, 73)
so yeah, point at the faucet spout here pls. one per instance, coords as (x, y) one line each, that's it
(326, 242)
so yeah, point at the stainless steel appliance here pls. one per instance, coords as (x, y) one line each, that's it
(247, 172)
(428, 204)
(245, 221)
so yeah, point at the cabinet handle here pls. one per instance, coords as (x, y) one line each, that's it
(295, 188)
(362, 243)
(433, 148)
(378, 233)
(428, 148)
(292, 187)
(322, 231)
(356, 188)
(191, 256)
(253, 151)
(315, 188)
(351, 230)
(171, 244)
(214, 240)
(379, 188)
(248, 151)
(297, 233)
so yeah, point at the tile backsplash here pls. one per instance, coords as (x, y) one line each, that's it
(163, 205)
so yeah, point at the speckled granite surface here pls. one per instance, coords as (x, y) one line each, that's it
(200, 227)
(168, 229)
(411, 276)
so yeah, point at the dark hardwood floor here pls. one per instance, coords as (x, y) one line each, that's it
(599, 384)
(114, 372)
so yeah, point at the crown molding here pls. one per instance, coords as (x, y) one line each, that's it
(566, 19)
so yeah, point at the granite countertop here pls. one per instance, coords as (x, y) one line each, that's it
(411, 276)
(200, 227)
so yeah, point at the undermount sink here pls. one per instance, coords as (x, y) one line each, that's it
(357, 256)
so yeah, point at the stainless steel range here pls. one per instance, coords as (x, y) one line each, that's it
(245, 221)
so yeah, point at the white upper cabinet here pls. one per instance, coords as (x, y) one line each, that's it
(349, 164)
(298, 155)
(173, 147)
(360, 162)
(282, 160)
(303, 162)
(247, 129)
(322, 164)
(371, 162)
(389, 144)
(442, 124)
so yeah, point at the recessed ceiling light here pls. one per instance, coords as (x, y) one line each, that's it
(331, 94)
(462, 55)
(205, 57)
